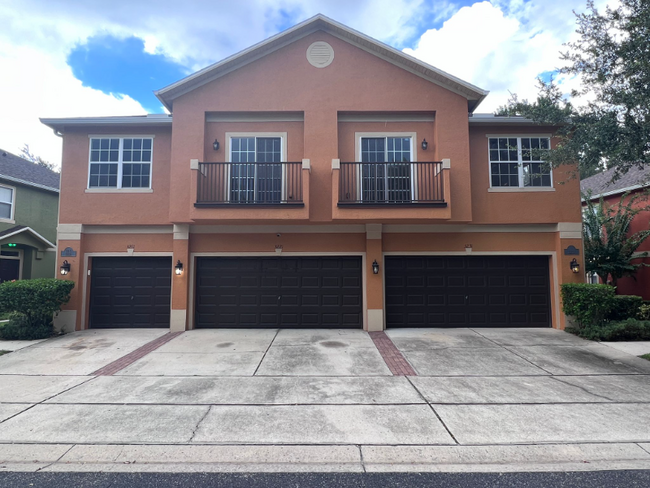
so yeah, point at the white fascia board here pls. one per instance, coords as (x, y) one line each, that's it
(614, 192)
(34, 233)
(319, 22)
(28, 183)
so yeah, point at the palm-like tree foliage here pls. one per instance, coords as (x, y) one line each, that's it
(609, 249)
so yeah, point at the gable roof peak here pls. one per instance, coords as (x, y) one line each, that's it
(474, 94)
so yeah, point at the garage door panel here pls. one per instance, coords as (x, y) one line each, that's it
(130, 292)
(461, 291)
(281, 292)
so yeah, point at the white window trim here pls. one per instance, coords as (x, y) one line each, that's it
(20, 258)
(12, 216)
(118, 188)
(414, 156)
(283, 155)
(520, 165)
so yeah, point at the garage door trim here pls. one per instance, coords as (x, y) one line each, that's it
(553, 269)
(85, 303)
(192, 276)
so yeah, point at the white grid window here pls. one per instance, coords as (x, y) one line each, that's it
(389, 179)
(519, 162)
(255, 175)
(120, 162)
(6, 202)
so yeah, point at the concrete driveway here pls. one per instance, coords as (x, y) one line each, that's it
(323, 400)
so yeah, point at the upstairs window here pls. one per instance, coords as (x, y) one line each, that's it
(120, 162)
(389, 180)
(519, 162)
(6, 203)
(255, 169)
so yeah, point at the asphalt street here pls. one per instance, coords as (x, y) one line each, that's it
(609, 479)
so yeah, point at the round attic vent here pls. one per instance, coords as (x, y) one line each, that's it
(320, 54)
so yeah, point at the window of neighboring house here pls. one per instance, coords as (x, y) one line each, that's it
(7, 202)
(255, 172)
(519, 162)
(120, 162)
(390, 179)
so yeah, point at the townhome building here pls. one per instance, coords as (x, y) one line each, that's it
(318, 179)
(29, 201)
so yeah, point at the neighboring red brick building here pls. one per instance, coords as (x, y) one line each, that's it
(634, 181)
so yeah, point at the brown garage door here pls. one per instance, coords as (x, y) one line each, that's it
(131, 292)
(467, 291)
(288, 292)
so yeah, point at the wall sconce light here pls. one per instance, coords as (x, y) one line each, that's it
(65, 267)
(425, 144)
(215, 145)
(574, 265)
(178, 268)
(375, 267)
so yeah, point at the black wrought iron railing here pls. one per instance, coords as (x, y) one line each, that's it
(229, 184)
(391, 184)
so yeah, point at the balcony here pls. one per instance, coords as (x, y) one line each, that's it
(249, 184)
(390, 191)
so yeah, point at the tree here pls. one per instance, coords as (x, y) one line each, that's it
(609, 250)
(25, 153)
(612, 124)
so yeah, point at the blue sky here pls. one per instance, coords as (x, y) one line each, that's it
(121, 65)
(79, 58)
(115, 65)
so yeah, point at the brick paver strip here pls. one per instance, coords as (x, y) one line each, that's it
(391, 355)
(132, 357)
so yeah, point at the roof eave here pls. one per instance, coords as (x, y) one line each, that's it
(29, 183)
(319, 22)
(59, 124)
(34, 234)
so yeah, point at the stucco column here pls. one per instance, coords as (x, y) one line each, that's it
(374, 282)
(568, 243)
(69, 244)
(180, 283)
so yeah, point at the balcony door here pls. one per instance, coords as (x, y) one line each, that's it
(386, 176)
(255, 170)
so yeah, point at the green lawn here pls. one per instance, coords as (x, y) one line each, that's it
(645, 356)
(4, 316)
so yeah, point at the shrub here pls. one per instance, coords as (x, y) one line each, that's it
(644, 311)
(19, 329)
(589, 304)
(32, 304)
(625, 330)
(625, 307)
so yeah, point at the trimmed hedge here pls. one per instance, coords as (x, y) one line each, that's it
(625, 330)
(595, 305)
(624, 307)
(644, 311)
(32, 304)
(589, 304)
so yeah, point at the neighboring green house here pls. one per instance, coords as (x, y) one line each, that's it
(29, 206)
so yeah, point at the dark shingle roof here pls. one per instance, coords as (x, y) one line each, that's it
(11, 230)
(602, 182)
(17, 168)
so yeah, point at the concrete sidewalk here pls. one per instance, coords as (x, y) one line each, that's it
(233, 400)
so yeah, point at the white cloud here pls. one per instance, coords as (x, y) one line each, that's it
(499, 46)
(502, 46)
(39, 87)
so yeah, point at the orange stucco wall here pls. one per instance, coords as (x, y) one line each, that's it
(78, 206)
(560, 205)
(355, 83)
